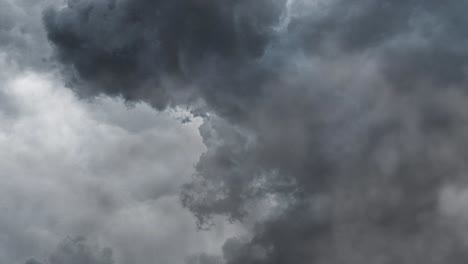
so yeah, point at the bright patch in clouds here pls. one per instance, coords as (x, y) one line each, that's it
(100, 169)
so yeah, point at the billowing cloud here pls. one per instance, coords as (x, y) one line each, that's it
(333, 131)
(160, 45)
(101, 168)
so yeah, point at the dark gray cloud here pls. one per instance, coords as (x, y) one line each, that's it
(152, 43)
(33, 261)
(231, 50)
(204, 259)
(343, 121)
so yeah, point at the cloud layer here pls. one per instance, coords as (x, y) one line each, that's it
(99, 168)
(333, 131)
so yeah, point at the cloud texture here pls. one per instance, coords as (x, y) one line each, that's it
(335, 131)
(101, 168)
(76, 251)
(342, 121)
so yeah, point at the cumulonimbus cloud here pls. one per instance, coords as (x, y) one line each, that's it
(346, 117)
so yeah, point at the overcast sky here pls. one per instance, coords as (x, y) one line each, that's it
(103, 169)
(233, 132)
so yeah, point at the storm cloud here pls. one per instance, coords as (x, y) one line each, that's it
(101, 168)
(335, 131)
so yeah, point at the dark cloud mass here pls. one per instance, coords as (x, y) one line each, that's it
(143, 44)
(335, 130)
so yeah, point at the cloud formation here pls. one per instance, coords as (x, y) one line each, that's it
(22, 35)
(98, 168)
(76, 251)
(155, 43)
(335, 130)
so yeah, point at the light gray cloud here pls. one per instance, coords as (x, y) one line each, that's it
(100, 169)
(22, 35)
(77, 251)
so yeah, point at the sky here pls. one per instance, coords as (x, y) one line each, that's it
(233, 131)
(103, 169)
